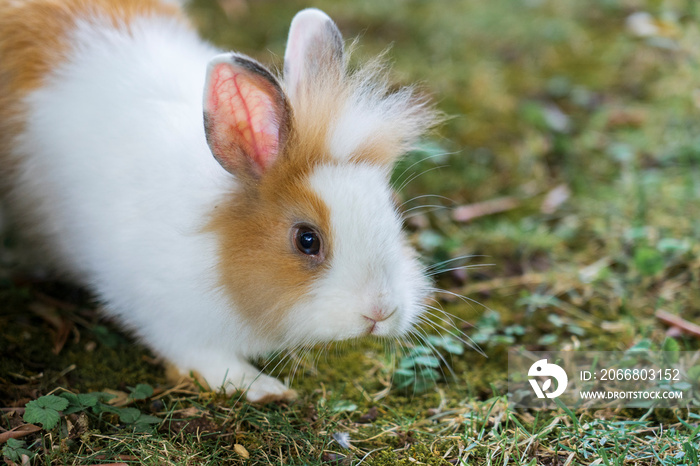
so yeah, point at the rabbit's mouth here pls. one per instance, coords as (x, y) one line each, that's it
(379, 322)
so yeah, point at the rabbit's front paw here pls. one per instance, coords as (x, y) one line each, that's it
(233, 376)
(265, 389)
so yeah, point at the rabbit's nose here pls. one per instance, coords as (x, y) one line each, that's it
(377, 315)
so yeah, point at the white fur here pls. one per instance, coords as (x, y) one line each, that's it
(370, 270)
(116, 175)
(308, 26)
(373, 112)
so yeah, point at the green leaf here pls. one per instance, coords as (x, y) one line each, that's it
(556, 320)
(576, 330)
(429, 374)
(104, 408)
(14, 449)
(405, 372)
(496, 340)
(671, 350)
(420, 351)
(547, 339)
(670, 344)
(404, 378)
(81, 401)
(428, 361)
(448, 343)
(143, 428)
(648, 261)
(490, 319)
(45, 411)
(405, 383)
(129, 415)
(672, 245)
(642, 346)
(148, 419)
(141, 391)
(430, 240)
(694, 374)
(514, 330)
(51, 402)
(422, 386)
(427, 378)
(344, 405)
(682, 386)
(637, 233)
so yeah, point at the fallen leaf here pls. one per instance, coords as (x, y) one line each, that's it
(62, 325)
(120, 398)
(678, 322)
(555, 198)
(19, 432)
(623, 118)
(469, 212)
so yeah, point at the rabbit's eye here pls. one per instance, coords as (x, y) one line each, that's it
(307, 241)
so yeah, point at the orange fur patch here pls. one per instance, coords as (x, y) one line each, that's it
(34, 39)
(33, 33)
(383, 150)
(319, 105)
(176, 377)
(260, 269)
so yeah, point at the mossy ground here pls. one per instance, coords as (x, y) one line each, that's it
(540, 94)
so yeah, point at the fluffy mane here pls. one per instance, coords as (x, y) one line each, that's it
(359, 114)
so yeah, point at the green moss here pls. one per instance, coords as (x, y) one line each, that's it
(415, 454)
(29, 365)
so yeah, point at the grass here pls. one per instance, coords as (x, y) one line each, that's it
(542, 94)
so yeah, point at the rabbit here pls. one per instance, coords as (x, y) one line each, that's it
(217, 210)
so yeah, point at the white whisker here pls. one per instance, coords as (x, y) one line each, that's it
(441, 154)
(427, 195)
(414, 177)
(470, 266)
(438, 264)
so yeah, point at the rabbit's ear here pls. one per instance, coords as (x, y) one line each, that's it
(246, 115)
(314, 50)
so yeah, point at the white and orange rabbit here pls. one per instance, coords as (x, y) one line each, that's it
(218, 211)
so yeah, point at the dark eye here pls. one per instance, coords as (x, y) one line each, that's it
(307, 241)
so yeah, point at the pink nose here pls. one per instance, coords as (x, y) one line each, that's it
(378, 315)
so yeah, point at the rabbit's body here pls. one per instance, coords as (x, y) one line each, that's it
(111, 169)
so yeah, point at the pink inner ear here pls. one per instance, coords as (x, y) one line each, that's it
(243, 112)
